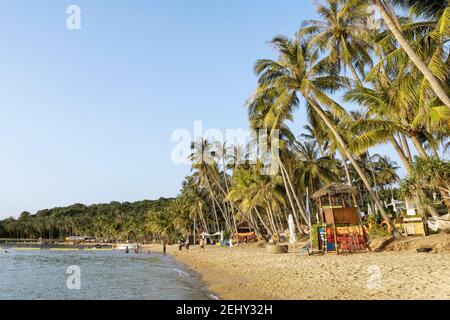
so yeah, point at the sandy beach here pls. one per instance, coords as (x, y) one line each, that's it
(249, 272)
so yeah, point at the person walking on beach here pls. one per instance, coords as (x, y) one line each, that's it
(180, 245)
(187, 246)
(164, 247)
(202, 244)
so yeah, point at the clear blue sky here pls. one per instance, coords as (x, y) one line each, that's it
(86, 116)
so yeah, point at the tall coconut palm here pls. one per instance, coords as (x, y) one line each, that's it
(394, 106)
(296, 72)
(386, 170)
(315, 170)
(269, 110)
(395, 27)
(204, 163)
(243, 190)
(343, 34)
(426, 8)
(398, 106)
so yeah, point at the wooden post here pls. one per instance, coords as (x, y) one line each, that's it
(319, 209)
(354, 200)
(334, 226)
(361, 223)
(195, 226)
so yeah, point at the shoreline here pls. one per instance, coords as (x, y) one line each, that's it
(250, 273)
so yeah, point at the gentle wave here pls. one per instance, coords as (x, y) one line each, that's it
(104, 275)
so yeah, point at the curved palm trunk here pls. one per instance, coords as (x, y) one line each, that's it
(214, 200)
(420, 196)
(269, 232)
(402, 155)
(290, 200)
(349, 179)
(223, 212)
(358, 169)
(406, 147)
(355, 74)
(252, 219)
(271, 219)
(394, 26)
(293, 192)
(372, 170)
(347, 172)
(225, 216)
(420, 149)
(234, 205)
(280, 222)
(229, 207)
(215, 213)
(423, 154)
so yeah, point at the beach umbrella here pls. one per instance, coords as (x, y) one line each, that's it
(292, 238)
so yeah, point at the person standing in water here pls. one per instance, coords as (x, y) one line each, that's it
(127, 250)
(164, 247)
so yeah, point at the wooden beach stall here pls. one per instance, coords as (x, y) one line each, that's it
(245, 233)
(341, 226)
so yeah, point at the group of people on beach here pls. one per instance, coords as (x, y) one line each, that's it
(183, 243)
(137, 249)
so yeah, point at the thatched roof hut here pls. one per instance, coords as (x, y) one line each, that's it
(335, 189)
(337, 206)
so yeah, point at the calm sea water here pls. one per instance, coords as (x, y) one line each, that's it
(103, 275)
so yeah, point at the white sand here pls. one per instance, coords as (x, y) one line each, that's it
(248, 272)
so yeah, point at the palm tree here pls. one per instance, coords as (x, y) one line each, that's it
(395, 27)
(267, 110)
(386, 170)
(343, 33)
(400, 108)
(315, 170)
(204, 163)
(296, 73)
(242, 191)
